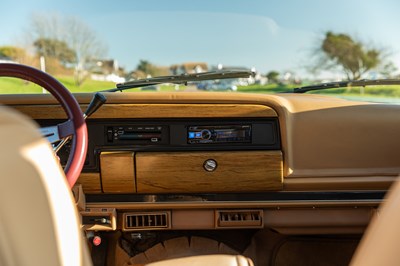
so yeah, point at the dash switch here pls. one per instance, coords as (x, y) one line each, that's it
(110, 136)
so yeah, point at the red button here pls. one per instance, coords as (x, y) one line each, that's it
(96, 241)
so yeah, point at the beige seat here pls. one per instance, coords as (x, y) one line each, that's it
(380, 244)
(39, 223)
(209, 260)
(38, 220)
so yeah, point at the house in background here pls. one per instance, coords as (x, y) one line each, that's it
(189, 67)
(107, 70)
(153, 71)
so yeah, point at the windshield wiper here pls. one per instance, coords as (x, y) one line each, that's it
(351, 83)
(181, 79)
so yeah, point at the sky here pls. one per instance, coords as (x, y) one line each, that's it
(265, 34)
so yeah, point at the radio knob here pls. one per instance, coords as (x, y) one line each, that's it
(205, 134)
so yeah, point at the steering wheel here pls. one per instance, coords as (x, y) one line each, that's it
(75, 126)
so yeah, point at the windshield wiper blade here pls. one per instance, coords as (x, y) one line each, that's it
(181, 79)
(351, 83)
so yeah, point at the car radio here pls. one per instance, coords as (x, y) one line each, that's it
(219, 134)
(137, 134)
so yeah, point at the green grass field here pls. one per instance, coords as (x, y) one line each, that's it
(17, 86)
(269, 88)
(367, 93)
(386, 91)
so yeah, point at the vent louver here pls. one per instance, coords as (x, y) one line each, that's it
(146, 221)
(239, 218)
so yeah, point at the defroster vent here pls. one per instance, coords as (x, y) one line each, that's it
(147, 221)
(239, 219)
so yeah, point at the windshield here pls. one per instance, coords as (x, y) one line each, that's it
(94, 45)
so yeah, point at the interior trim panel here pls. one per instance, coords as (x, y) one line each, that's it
(186, 153)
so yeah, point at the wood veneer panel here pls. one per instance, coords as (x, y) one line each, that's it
(90, 182)
(154, 111)
(183, 172)
(117, 172)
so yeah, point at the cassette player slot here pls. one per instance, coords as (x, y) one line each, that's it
(156, 136)
(136, 134)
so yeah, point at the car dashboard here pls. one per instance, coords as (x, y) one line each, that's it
(297, 164)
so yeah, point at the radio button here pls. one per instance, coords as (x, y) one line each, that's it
(205, 134)
(109, 134)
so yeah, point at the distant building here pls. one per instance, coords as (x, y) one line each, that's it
(224, 67)
(155, 71)
(107, 70)
(189, 67)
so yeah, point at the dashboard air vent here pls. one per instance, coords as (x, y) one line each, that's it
(239, 219)
(146, 221)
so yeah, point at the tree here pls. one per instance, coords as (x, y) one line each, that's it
(150, 69)
(75, 39)
(144, 66)
(18, 54)
(86, 45)
(55, 49)
(12, 52)
(387, 70)
(352, 57)
(273, 76)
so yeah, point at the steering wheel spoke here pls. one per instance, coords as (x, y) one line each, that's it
(58, 132)
(50, 133)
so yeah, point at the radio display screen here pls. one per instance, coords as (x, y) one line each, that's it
(219, 134)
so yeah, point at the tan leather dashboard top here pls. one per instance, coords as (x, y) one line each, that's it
(325, 141)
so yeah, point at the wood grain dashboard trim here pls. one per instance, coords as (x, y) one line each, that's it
(90, 182)
(154, 111)
(118, 172)
(237, 171)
